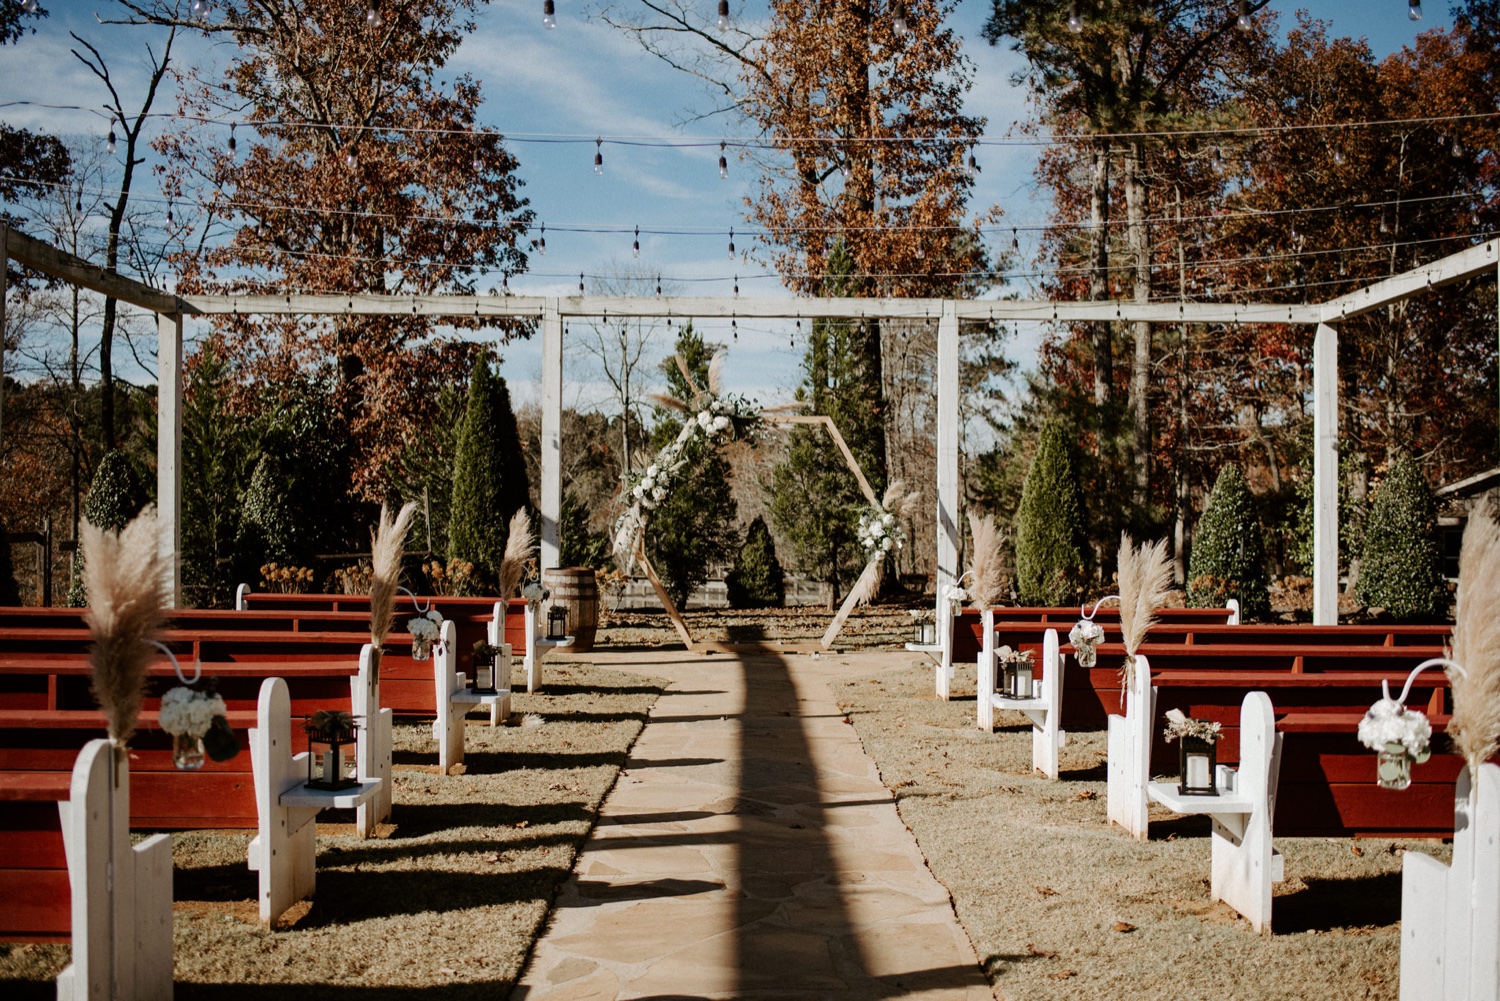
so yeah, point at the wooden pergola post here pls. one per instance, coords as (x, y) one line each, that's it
(552, 384)
(1326, 475)
(949, 501)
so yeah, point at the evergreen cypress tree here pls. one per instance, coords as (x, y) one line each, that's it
(268, 530)
(694, 527)
(1400, 568)
(1051, 547)
(489, 476)
(213, 453)
(116, 495)
(1229, 558)
(757, 580)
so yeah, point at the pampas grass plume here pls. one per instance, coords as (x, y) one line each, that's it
(1475, 726)
(387, 543)
(127, 602)
(518, 546)
(988, 569)
(1145, 578)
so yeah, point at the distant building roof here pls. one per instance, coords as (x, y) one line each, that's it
(1471, 486)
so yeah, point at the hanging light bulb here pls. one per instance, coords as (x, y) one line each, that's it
(723, 164)
(974, 167)
(541, 243)
(169, 213)
(373, 18)
(844, 170)
(580, 283)
(635, 248)
(477, 163)
(736, 284)
(1075, 23)
(350, 160)
(505, 283)
(1458, 148)
(78, 203)
(1338, 157)
(731, 243)
(898, 19)
(1414, 9)
(549, 15)
(28, 6)
(734, 330)
(109, 144)
(200, 7)
(1243, 21)
(1385, 222)
(1015, 239)
(658, 286)
(723, 20)
(598, 156)
(231, 140)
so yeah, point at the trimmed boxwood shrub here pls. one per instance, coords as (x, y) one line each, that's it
(756, 580)
(116, 495)
(1051, 547)
(1229, 555)
(1399, 565)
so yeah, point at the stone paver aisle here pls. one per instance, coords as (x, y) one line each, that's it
(749, 850)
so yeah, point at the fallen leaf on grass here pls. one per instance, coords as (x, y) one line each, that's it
(521, 823)
(1085, 794)
(1046, 891)
(1042, 953)
(492, 857)
(1124, 926)
(450, 972)
(1357, 850)
(1062, 974)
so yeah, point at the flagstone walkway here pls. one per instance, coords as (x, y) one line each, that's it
(750, 851)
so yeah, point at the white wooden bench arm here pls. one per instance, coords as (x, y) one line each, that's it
(1450, 914)
(284, 850)
(1044, 711)
(1128, 770)
(121, 895)
(374, 742)
(538, 647)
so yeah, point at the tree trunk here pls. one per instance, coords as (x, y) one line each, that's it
(1104, 374)
(1140, 376)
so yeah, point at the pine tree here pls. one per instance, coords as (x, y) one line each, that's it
(578, 546)
(116, 495)
(1051, 548)
(268, 530)
(694, 527)
(756, 581)
(1229, 558)
(213, 453)
(1400, 568)
(489, 475)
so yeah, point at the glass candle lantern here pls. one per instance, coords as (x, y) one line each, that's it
(482, 677)
(557, 622)
(1017, 678)
(330, 747)
(1197, 759)
(925, 633)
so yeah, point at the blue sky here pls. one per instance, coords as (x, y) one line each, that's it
(584, 80)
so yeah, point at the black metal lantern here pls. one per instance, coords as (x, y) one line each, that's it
(925, 633)
(330, 745)
(482, 677)
(1197, 758)
(557, 623)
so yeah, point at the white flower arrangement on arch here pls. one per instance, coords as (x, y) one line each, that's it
(880, 532)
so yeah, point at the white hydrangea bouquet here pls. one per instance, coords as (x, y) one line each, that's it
(534, 593)
(1085, 636)
(1401, 736)
(188, 716)
(424, 630)
(879, 532)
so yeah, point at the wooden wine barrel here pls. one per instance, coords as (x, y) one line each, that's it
(576, 588)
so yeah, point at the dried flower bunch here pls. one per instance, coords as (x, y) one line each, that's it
(329, 723)
(1179, 725)
(518, 546)
(355, 579)
(454, 579)
(1008, 656)
(1389, 722)
(285, 580)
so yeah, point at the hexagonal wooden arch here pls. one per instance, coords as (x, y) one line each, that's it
(843, 613)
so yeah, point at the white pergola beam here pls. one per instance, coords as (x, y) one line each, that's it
(1446, 271)
(534, 307)
(1326, 475)
(169, 450)
(949, 500)
(47, 259)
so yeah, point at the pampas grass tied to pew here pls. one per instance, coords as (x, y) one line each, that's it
(988, 570)
(127, 605)
(1145, 580)
(1475, 725)
(387, 543)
